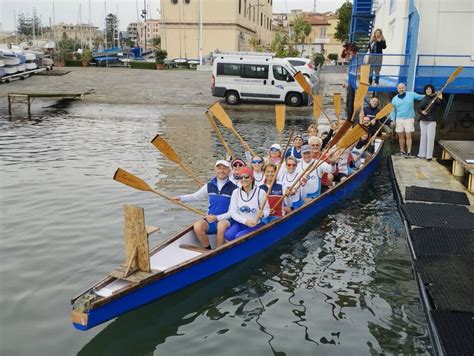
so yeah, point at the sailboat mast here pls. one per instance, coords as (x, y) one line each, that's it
(200, 32)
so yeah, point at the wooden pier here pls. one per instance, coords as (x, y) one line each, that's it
(28, 98)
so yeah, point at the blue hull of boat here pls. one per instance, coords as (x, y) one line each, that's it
(227, 258)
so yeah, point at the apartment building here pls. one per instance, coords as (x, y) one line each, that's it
(227, 25)
(152, 31)
(82, 33)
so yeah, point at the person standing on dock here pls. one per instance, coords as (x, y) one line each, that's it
(404, 117)
(427, 111)
(219, 191)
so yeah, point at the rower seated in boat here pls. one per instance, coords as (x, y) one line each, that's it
(295, 151)
(359, 155)
(343, 165)
(294, 198)
(312, 179)
(275, 155)
(245, 205)
(274, 198)
(219, 191)
(316, 145)
(236, 165)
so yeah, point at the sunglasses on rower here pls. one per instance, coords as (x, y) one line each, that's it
(291, 164)
(237, 165)
(245, 176)
(257, 161)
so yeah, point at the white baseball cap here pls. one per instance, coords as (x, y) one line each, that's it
(223, 162)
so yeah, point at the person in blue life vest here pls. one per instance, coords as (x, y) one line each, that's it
(218, 191)
(244, 208)
(295, 151)
(404, 115)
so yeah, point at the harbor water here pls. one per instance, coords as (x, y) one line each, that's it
(342, 287)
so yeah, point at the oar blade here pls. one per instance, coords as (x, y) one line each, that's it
(218, 111)
(364, 73)
(360, 96)
(300, 78)
(352, 136)
(317, 107)
(280, 111)
(340, 132)
(337, 103)
(387, 109)
(124, 177)
(163, 146)
(455, 74)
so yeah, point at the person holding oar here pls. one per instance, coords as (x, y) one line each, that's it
(427, 112)
(312, 180)
(295, 151)
(244, 209)
(218, 191)
(276, 192)
(295, 197)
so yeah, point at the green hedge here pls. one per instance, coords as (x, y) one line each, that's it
(142, 65)
(73, 63)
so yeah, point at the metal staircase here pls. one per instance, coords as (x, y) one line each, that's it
(363, 14)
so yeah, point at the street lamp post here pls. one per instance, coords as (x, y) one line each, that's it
(144, 19)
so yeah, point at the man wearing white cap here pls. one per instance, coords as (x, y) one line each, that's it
(219, 191)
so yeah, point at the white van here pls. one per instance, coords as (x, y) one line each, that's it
(256, 76)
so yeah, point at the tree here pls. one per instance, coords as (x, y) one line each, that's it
(301, 30)
(25, 25)
(65, 47)
(318, 59)
(253, 41)
(281, 46)
(333, 56)
(111, 30)
(342, 28)
(156, 42)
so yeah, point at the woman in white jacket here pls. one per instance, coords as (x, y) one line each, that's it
(244, 208)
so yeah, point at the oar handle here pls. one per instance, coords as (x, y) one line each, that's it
(219, 134)
(177, 202)
(196, 179)
(322, 110)
(372, 139)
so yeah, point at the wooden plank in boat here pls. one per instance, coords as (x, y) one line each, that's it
(136, 236)
(151, 229)
(134, 277)
(194, 248)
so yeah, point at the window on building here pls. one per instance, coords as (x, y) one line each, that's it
(392, 6)
(245, 8)
(261, 19)
(280, 73)
(240, 6)
(255, 71)
(228, 69)
(254, 14)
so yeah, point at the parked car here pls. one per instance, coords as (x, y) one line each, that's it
(258, 77)
(304, 65)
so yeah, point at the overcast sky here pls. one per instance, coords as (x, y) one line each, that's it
(68, 10)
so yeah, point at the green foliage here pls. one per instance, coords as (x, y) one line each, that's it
(142, 65)
(160, 55)
(65, 47)
(156, 42)
(301, 29)
(77, 56)
(318, 59)
(344, 22)
(281, 47)
(25, 25)
(333, 56)
(253, 41)
(86, 55)
(111, 30)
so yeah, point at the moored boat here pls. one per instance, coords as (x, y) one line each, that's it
(181, 261)
(30, 61)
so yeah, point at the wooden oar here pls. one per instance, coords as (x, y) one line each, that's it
(364, 74)
(317, 105)
(301, 79)
(352, 136)
(230, 153)
(359, 98)
(339, 133)
(133, 181)
(290, 138)
(218, 111)
(451, 78)
(337, 105)
(280, 111)
(385, 111)
(163, 146)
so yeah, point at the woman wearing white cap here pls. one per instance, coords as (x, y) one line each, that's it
(218, 191)
(274, 154)
(295, 199)
(244, 208)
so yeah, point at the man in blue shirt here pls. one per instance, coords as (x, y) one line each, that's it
(404, 115)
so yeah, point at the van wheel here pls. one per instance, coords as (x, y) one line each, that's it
(293, 99)
(232, 97)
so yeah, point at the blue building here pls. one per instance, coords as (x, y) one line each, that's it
(426, 42)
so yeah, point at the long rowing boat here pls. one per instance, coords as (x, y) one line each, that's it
(180, 261)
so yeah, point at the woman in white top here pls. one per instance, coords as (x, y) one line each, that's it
(295, 199)
(244, 208)
(257, 165)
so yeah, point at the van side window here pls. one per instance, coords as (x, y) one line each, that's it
(228, 69)
(280, 73)
(255, 71)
